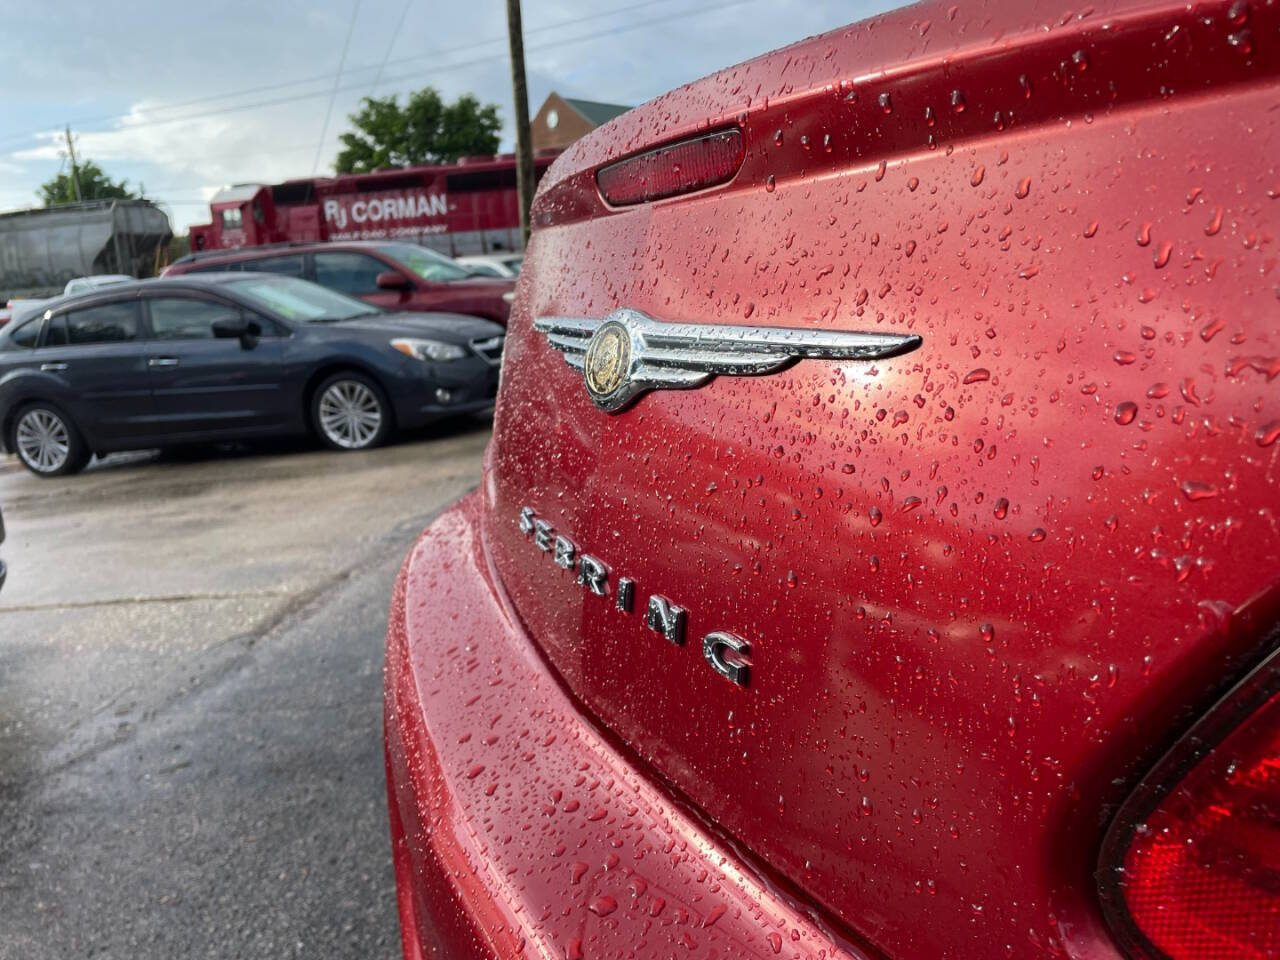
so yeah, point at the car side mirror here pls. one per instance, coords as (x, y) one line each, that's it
(230, 328)
(393, 280)
(237, 328)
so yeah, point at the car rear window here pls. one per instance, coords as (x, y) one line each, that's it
(105, 323)
(228, 266)
(27, 334)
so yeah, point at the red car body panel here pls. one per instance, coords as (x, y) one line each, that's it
(985, 583)
(482, 297)
(516, 824)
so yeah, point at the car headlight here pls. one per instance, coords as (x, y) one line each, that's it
(434, 350)
(509, 297)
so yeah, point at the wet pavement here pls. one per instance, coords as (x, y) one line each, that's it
(190, 699)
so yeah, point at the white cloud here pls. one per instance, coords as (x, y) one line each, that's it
(185, 162)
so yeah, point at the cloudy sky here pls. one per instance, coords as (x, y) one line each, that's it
(188, 97)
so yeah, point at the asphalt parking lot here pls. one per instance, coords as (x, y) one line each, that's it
(190, 698)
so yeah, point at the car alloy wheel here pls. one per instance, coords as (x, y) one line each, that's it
(43, 440)
(350, 414)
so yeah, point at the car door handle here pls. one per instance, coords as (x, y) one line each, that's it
(163, 362)
(53, 366)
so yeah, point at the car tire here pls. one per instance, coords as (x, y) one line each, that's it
(349, 412)
(47, 441)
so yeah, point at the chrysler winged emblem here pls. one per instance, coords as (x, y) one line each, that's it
(628, 352)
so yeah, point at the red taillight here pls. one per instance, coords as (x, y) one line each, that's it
(1191, 868)
(674, 169)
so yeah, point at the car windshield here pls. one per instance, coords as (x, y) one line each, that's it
(429, 265)
(301, 300)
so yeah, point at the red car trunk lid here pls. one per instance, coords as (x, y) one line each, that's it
(973, 578)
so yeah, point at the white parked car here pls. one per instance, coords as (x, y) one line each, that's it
(493, 264)
(85, 284)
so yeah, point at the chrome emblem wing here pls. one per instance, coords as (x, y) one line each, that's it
(628, 352)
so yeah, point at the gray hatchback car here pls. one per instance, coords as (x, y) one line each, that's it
(229, 356)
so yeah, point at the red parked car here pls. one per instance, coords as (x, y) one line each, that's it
(390, 274)
(878, 551)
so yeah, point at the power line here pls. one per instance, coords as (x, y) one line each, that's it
(333, 95)
(294, 98)
(413, 74)
(395, 35)
(263, 88)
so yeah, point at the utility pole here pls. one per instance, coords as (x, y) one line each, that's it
(524, 147)
(75, 171)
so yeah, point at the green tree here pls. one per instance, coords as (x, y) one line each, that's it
(425, 130)
(94, 185)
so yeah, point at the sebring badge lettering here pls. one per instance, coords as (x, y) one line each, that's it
(726, 653)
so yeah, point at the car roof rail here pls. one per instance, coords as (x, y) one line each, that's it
(197, 256)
